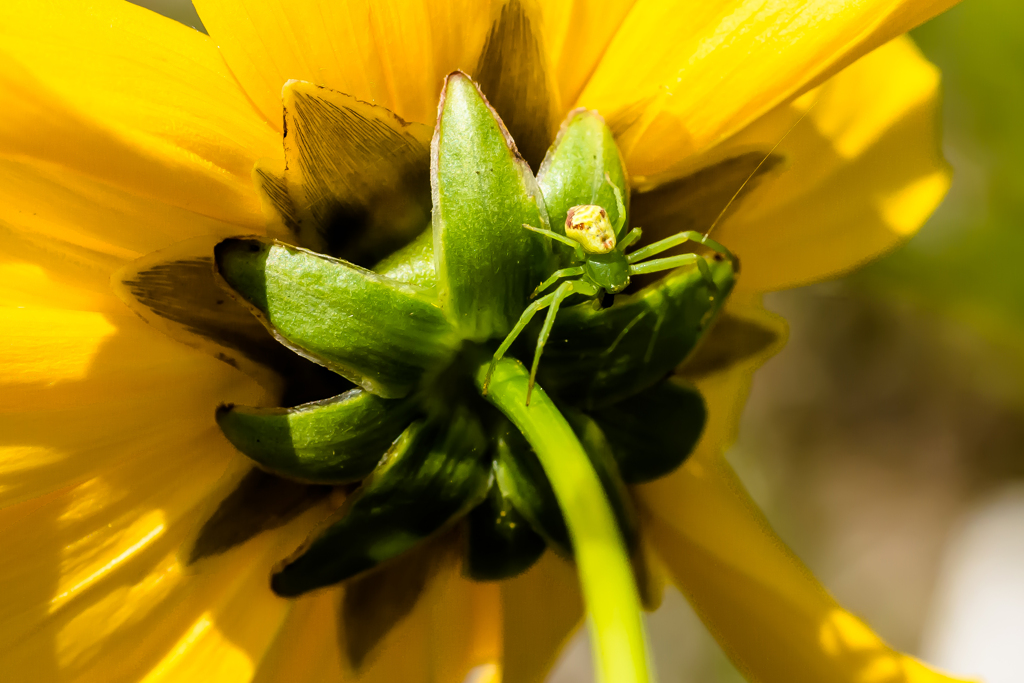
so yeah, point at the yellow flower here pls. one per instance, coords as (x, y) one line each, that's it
(123, 133)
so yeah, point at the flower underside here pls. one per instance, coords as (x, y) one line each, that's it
(396, 400)
(411, 332)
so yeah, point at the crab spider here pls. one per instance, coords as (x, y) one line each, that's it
(600, 263)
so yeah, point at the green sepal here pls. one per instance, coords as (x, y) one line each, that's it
(519, 474)
(574, 169)
(375, 331)
(483, 192)
(431, 476)
(653, 432)
(413, 264)
(334, 441)
(598, 357)
(500, 542)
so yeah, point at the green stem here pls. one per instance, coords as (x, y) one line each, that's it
(606, 576)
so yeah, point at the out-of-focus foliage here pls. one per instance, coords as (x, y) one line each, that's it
(968, 261)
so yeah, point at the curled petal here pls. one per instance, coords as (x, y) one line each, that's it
(863, 173)
(773, 619)
(744, 55)
(857, 174)
(765, 608)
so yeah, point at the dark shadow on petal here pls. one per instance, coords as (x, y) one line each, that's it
(176, 290)
(514, 74)
(358, 174)
(268, 176)
(185, 292)
(622, 120)
(694, 202)
(731, 340)
(259, 503)
(374, 603)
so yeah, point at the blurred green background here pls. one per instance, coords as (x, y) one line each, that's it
(878, 439)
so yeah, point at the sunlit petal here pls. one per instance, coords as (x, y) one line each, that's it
(394, 53)
(769, 614)
(858, 173)
(152, 110)
(744, 56)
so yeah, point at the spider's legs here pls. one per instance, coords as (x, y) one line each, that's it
(632, 236)
(619, 205)
(555, 277)
(564, 291)
(577, 249)
(524, 320)
(676, 240)
(670, 262)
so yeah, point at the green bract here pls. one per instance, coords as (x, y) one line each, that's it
(432, 473)
(318, 306)
(500, 540)
(652, 433)
(484, 192)
(578, 167)
(416, 334)
(598, 357)
(334, 441)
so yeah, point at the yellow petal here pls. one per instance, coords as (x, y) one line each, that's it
(101, 589)
(24, 283)
(394, 53)
(237, 624)
(65, 235)
(55, 207)
(81, 391)
(456, 627)
(863, 172)
(541, 610)
(577, 34)
(118, 93)
(452, 629)
(679, 78)
(306, 649)
(760, 602)
(763, 606)
(858, 173)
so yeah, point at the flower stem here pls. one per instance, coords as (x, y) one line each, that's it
(617, 630)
